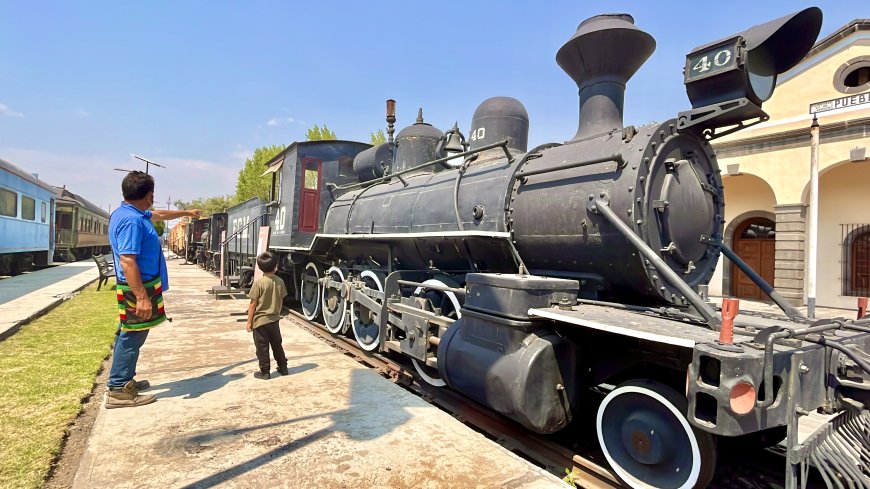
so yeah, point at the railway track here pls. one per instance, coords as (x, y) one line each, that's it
(540, 450)
(761, 470)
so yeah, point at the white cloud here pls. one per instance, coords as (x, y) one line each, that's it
(241, 153)
(277, 121)
(5, 110)
(94, 178)
(82, 113)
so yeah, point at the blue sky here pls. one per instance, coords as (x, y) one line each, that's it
(198, 85)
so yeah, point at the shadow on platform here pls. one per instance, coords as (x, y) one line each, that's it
(364, 419)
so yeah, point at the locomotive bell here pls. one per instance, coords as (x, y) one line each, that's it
(499, 118)
(602, 55)
(454, 140)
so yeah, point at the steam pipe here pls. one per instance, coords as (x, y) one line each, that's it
(783, 304)
(502, 144)
(703, 308)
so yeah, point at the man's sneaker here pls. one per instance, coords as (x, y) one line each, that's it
(141, 385)
(283, 370)
(262, 375)
(127, 396)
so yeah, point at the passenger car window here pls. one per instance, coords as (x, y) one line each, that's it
(8, 203)
(28, 208)
(44, 211)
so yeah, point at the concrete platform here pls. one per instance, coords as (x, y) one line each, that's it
(26, 296)
(331, 423)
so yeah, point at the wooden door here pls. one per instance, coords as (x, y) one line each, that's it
(755, 242)
(861, 265)
(309, 199)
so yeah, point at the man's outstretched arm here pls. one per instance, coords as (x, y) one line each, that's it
(166, 215)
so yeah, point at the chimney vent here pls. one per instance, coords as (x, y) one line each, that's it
(602, 55)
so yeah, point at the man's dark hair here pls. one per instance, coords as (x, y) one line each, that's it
(136, 185)
(267, 262)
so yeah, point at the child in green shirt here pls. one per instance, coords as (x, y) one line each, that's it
(267, 296)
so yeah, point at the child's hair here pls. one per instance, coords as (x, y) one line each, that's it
(267, 262)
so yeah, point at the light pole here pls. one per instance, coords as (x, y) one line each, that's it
(813, 219)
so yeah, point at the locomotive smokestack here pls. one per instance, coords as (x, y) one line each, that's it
(602, 55)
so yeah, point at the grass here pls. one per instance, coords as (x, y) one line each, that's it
(46, 369)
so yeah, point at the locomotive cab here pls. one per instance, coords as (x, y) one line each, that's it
(303, 178)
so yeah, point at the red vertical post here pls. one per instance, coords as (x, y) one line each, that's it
(729, 312)
(862, 307)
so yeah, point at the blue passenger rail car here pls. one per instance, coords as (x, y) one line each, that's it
(26, 210)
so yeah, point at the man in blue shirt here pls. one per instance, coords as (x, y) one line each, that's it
(140, 270)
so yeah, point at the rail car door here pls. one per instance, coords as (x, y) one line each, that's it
(755, 243)
(309, 198)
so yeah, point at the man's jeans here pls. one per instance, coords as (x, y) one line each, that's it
(126, 355)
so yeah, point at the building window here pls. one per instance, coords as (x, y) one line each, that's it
(28, 208)
(857, 77)
(8, 203)
(853, 76)
(856, 259)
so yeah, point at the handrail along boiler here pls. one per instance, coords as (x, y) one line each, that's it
(541, 281)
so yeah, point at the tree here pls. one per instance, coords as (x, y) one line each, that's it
(252, 182)
(319, 133)
(210, 205)
(378, 137)
(160, 227)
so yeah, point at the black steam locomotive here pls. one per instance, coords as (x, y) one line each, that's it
(535, 280)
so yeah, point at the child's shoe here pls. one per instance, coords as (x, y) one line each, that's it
(283, 370)
(262, 375)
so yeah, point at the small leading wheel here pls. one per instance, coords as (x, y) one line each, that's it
(334, 302)
(648, 441)
(366, 331)
(309, 291)
(449, 305)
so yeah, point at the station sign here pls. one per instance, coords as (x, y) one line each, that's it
(840, 103)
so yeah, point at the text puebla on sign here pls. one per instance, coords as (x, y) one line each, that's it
(840, 103)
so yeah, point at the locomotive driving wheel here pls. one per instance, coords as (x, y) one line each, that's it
(449, 306)
(365, 329)
(648, 441)
(309, 291)
(334, 302)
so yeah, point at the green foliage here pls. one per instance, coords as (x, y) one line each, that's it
(317, 133)
(159, 226)
(378, 137)
(252, 182)
(208, 205)
(46, 369)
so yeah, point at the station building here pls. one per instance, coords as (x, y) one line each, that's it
(766, 174)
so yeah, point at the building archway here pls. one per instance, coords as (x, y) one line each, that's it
(747, 196)
(754, 241)
(841, 250)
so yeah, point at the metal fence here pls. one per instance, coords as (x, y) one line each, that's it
(855, 240)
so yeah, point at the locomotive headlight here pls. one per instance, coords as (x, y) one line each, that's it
(728, 80)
